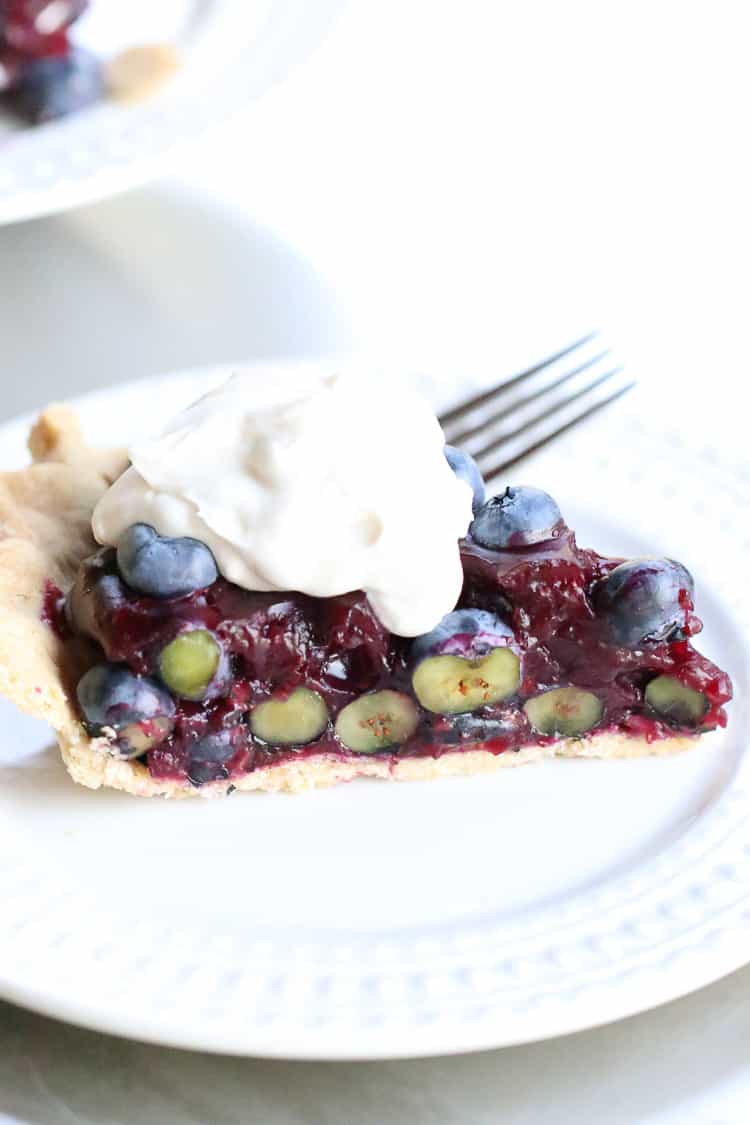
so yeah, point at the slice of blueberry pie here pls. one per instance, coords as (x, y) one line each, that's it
(297, 584)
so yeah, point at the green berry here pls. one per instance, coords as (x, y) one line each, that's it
(189, 663)
(294, 721)
(450, 684)
(377, 721)
(565, 711)
(672, 699)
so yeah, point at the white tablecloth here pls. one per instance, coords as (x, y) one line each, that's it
(451, 184)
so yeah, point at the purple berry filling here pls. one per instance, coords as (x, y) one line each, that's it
(544, 602)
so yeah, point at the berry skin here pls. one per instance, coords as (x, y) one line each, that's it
(97, 594)
(463, 632)
(163, 567)
(467, 727)
(54, 87)
(466, 469)
(644, 600)
(519, 517)
(209, 755)
(136, 708)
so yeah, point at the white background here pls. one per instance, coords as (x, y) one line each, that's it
(443, 184)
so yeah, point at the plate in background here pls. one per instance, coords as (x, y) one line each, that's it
(231, 51)
(375, 921)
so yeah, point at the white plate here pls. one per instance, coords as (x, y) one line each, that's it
(231, 50)
(381, 921)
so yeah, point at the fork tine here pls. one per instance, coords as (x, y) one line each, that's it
(501, 466)
(555, 408)
(517, 404)
(500, 388)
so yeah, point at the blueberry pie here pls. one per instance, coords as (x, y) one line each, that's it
(45, 75)
(263, 598)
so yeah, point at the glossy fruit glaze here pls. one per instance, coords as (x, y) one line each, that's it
(53, 610)
(547, 590)
(337, 647)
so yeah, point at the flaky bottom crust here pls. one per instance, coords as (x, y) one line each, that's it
(94, 769)
(45, 532)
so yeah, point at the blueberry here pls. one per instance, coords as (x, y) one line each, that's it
(377, 721)
(96, 595)
(518, 517)
(475, 727)
(564, 711)
(643, 600)
(138, 709)
(466, 469)
(57, 86)
(675, 701)
(161, 567)
(209, 754)
(448, 685)
(466, 662)
(193, 665)
(292, 721)
(464, 632)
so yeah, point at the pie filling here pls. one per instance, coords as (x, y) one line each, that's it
(204, 680)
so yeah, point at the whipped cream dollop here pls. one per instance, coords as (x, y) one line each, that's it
(317, 483)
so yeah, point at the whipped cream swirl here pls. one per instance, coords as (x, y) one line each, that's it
(317, 483)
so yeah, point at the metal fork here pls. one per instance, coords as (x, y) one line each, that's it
(504, 424)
